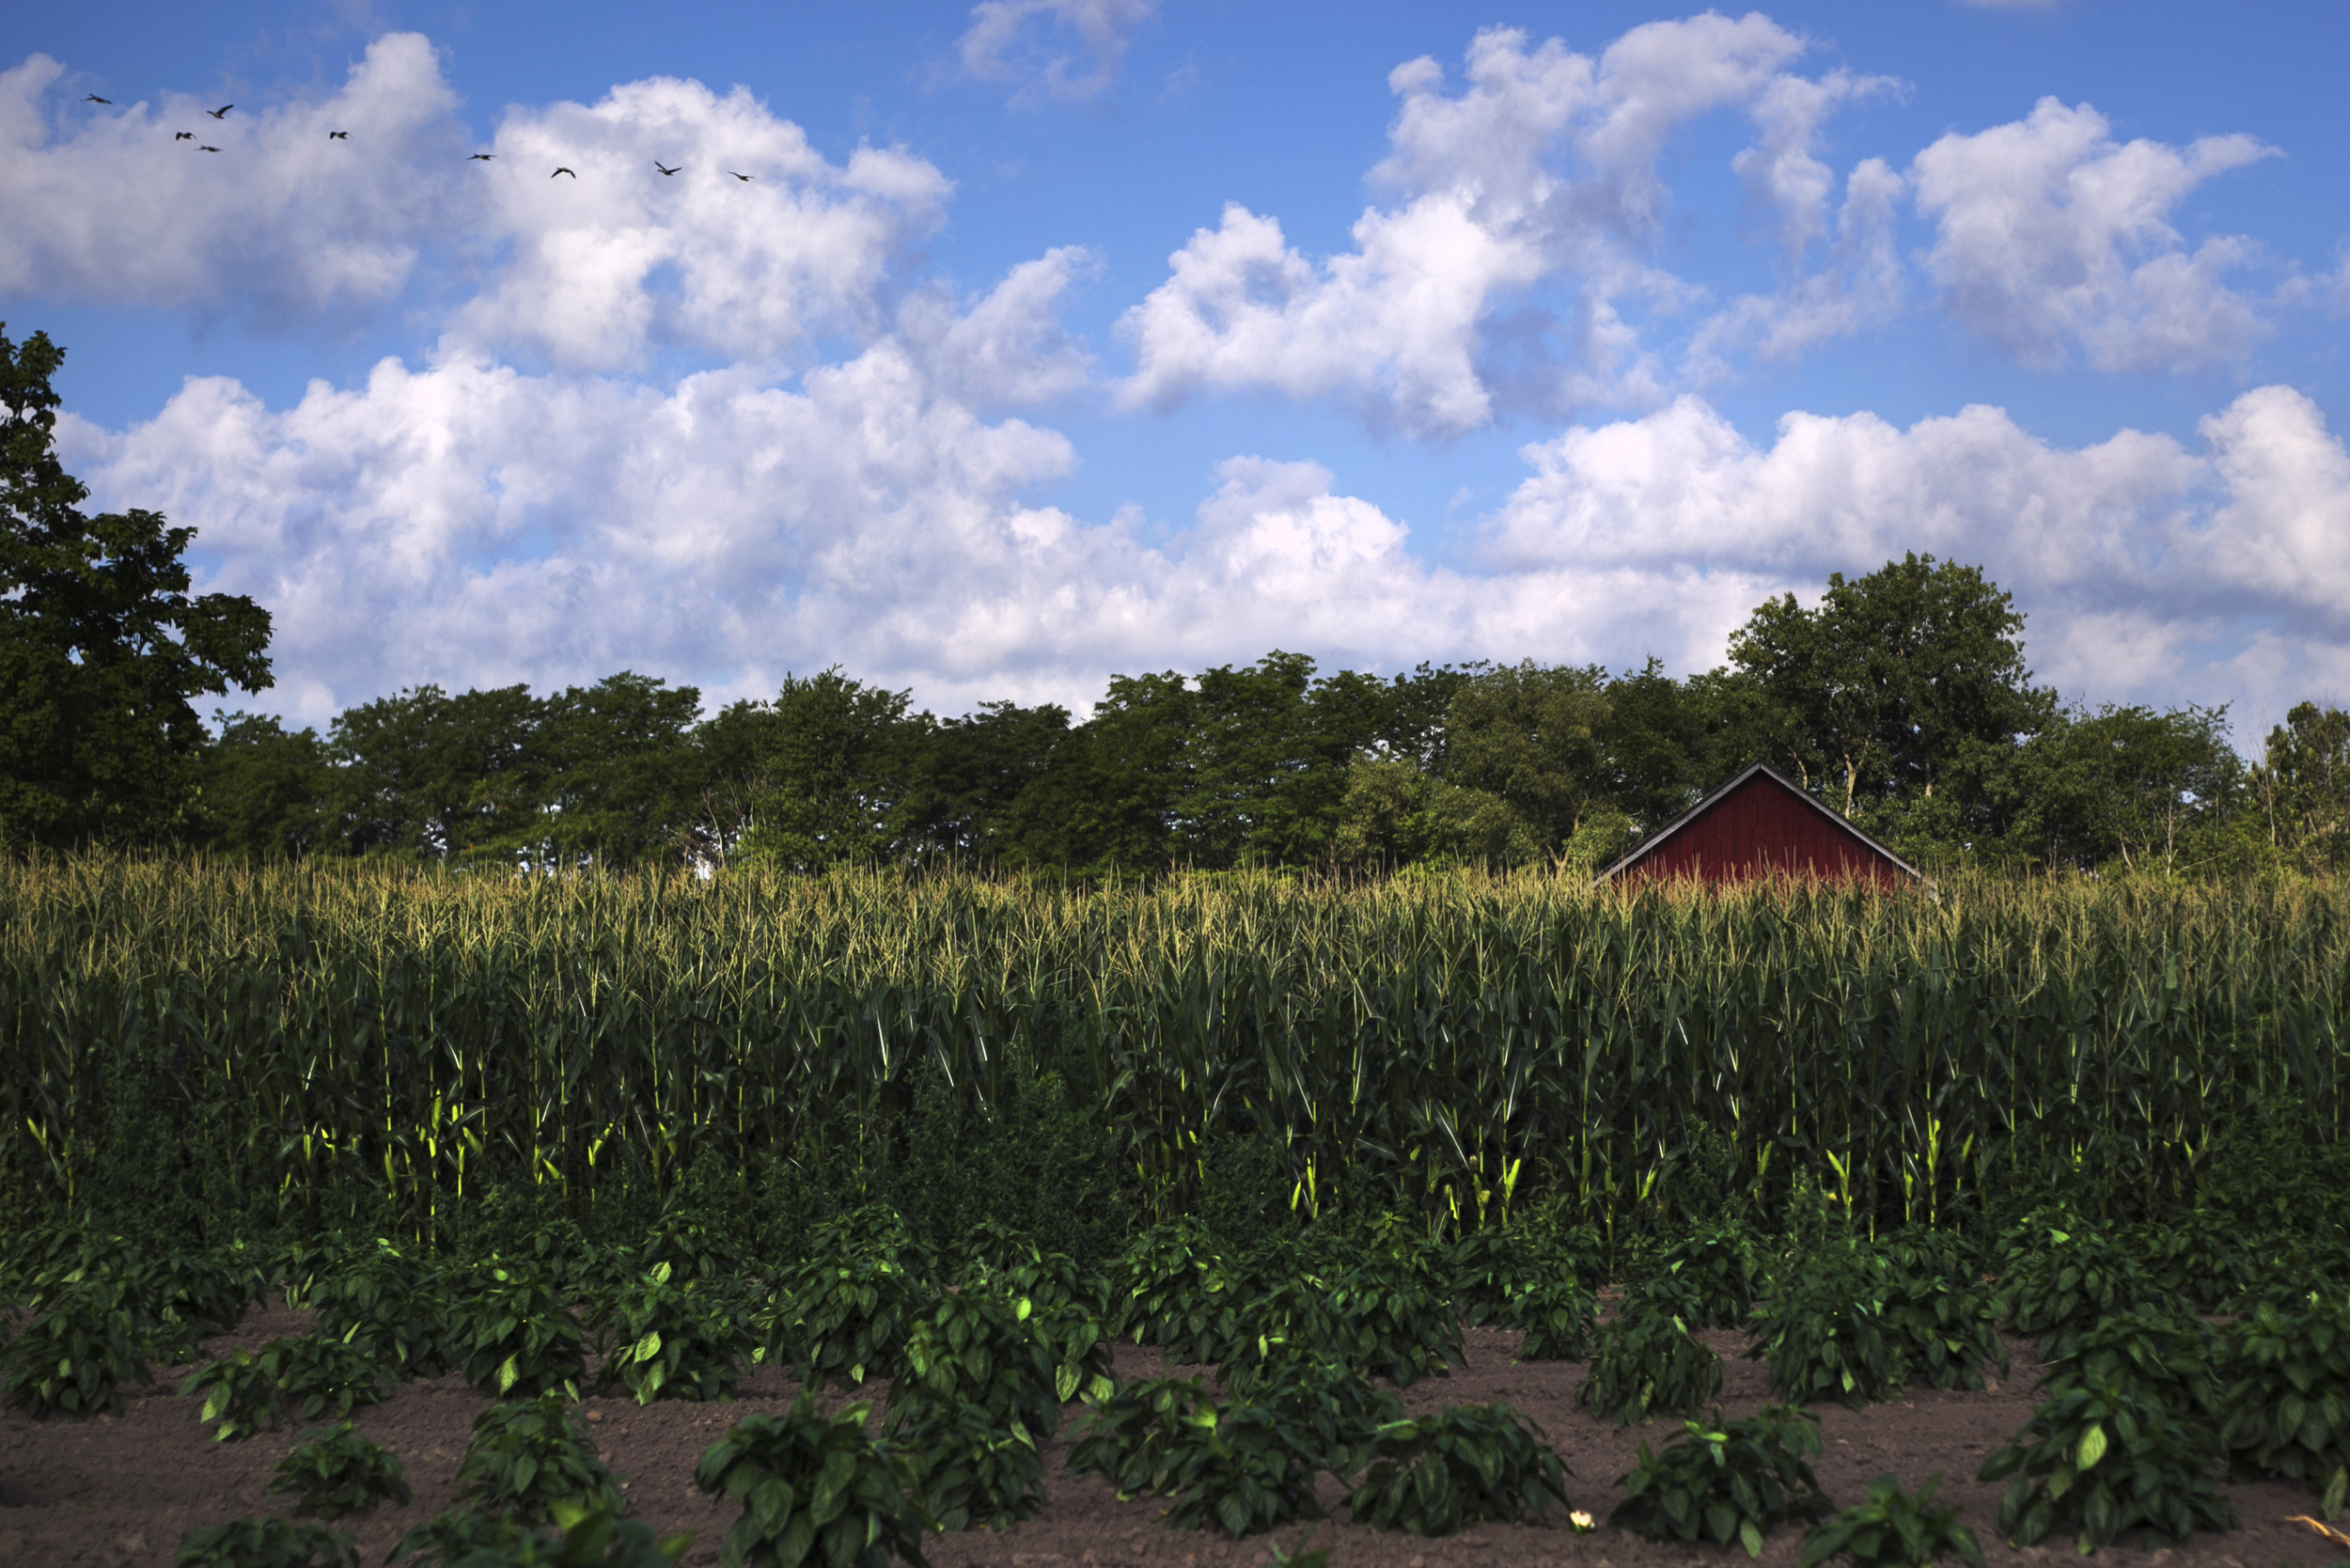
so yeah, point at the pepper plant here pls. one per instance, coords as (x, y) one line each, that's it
(305, 1377)
(1945, 1325)
(843, 1319)
(2058, 1278)
(1560, 1319)
(1244, 1467)
(528, 1456)
(1727, 1481)
(976, 1468)
(392, 1308)
(1334, 1402)
(1722, 1266)
(1647, 1364)
(1125, 1439)
(2286, 1411)
(1822, 1333)
(518, 1336)
(1390, 1320)
(1434, 1475)
(978, 1348)
(675, 1342)
(2100, 1458)
(582, 1535)
(815, 1487)
(335, 1471)
(1894, 1529)
(266, 1542)
(76, 1354)
(1178, 1293)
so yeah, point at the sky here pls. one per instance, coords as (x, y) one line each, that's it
(987, 351)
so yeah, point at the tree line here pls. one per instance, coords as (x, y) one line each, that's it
(1902, 700)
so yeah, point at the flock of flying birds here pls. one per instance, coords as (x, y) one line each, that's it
(221, 114)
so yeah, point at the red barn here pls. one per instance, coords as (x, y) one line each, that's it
(1759, 825)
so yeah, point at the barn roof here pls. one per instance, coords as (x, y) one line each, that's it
(1665, 835)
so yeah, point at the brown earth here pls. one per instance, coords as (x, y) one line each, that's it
(123, 1490)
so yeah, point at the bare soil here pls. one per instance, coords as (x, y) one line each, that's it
(123, 1490)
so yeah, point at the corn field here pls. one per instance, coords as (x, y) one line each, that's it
(1460, 1046)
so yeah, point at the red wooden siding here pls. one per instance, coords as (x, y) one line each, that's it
(1760, 828)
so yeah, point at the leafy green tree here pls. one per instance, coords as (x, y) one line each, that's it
(620, 771)
(1395, 813)
(1416, 717)
(1262, 767)
(2302, 788)
(265, 793)
(422, 772)
(730, 752)
(1533, 737)
(1896, 683)
(1106, 798)
(2125, 784)
(831, 773)
(966, 775)
(102, 647)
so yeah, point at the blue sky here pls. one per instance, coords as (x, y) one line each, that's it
(1057, 338)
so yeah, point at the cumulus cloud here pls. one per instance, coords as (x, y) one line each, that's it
(592, 271)
(1783, 172)
(1010, 348)
(1859, 282)
(1068, 50)
(523, 504)
(1540, 173)
(282, 222)
(2129, 555)
(470, 523)
(2053, 240)
(607, 264)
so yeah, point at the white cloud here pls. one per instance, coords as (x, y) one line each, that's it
(618, 259)
(1541, 173)
(1784, 173)
(468, 520)
(591, 270)
(468, 523)
(1030, 43)
(1859, 282)
(281, 222)
(2052, 238)
(1010, 350)
(2134, 557)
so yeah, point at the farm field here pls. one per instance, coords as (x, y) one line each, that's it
(122, 1491)
(220, 1050)
(1248, 1197)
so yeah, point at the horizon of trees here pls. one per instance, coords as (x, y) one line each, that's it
(1902, 701)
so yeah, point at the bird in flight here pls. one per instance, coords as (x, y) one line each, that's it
(663, 167)
(563, 171)
(481, 157)
(338, 136)
(221, 113)
(744, 178)
(183, 135)
(95, 99)
(201, 148)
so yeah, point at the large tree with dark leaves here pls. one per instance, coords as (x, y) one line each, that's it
(101, 645)
(1897, 684)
